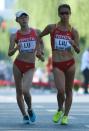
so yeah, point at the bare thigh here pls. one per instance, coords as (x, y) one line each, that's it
(17, 78)
(69, 77)
(59, 78)
(27, 80)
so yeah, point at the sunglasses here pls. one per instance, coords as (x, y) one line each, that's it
(64, 13)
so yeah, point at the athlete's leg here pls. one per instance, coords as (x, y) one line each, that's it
(59, 80)
(69, 78)
(27, 83)
(86, 80)
(19, 93)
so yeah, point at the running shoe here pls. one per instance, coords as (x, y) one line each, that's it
(64, 120)
(57, 116)
(26, 119)
(32, 115)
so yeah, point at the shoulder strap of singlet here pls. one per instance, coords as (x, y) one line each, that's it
(72, 32)
(70, 28)
(34, 30)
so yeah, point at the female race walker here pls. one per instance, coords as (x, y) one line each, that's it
(64, 39)
(26, 41)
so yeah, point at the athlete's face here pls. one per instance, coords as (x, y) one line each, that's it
(64, 14)
(23, 20)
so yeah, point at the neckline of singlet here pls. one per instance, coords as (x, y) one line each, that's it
(57, 26)
(30, 29)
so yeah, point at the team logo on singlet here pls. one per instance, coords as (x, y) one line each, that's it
(27, 44)
(61, 42)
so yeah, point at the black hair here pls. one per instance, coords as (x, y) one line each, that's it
(24, 14)
(64, 6)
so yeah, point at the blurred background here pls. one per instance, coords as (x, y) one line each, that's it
(41, 12)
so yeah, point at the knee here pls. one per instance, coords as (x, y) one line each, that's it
(61, 92)
(26, 92)
(19, 91)
(19, 96)
(69, 93)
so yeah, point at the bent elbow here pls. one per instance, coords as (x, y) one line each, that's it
(9, 54)
(78, 51)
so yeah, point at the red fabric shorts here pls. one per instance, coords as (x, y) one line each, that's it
(24, 66)
(64, 66)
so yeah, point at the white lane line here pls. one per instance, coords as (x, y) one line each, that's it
(23, 129)
(72, 117)
(39, 106)
(51, 110)
(86, 126)
(82, 114)
(74, 114)
(7, 99)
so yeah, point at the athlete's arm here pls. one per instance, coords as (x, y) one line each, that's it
(46, 31)
(39, 47)
(12, 47)
(75, 41)
(41, 42)
(39, 53)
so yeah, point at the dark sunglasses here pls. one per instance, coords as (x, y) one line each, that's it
(64, 13)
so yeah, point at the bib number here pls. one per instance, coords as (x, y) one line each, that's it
(28, 46)
(62, 44)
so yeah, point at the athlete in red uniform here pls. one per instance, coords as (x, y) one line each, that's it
(64, 40)
(26, 41)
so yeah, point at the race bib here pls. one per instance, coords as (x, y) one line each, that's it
(28, 46)
(62, 44)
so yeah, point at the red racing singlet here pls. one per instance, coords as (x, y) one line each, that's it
(26, 42)
(60, 39)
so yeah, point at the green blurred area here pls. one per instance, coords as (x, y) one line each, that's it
(44, 12)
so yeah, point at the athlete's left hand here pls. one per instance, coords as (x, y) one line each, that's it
(40, 55)
(72, 42)
(76, 48)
